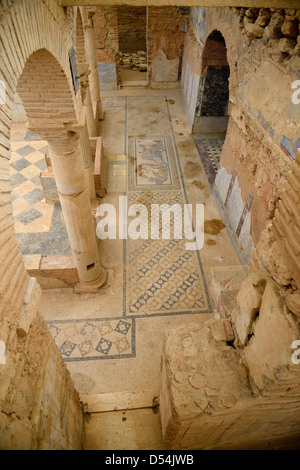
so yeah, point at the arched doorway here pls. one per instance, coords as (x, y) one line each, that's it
(211, 115)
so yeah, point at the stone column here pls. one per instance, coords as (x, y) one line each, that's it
(88, 165)
(91, 55)
(90, 116)
(74, 195)
(92, 124)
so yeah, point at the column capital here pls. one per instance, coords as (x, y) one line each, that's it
(59, 132)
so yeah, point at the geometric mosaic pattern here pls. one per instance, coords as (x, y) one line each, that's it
(162, 276)
(29, 207)
(166, 279)
(93, 339)
(214, 146)
(39, 226)
(147, 116)
(113, 102)
(209, 150)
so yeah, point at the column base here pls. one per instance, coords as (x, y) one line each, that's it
(83, 287)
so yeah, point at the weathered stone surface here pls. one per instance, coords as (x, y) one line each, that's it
(269, 351)
(297, 47)
(39, 408)
(287, 46)
(249, 300)
(293, 303)
(214, 378)
(225, 279)
(206, 400)
(290, 28)
(275, 25)
(30, 307)
(263, 17)
(272, 257)
(254, 29)
(218, 330)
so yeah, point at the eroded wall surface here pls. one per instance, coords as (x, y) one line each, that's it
(263, 129)
(165, 45)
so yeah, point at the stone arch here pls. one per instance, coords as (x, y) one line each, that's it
(40, 29)
(36, 26)
(215, 50)
(27, 30)
(45, 92)
(213, 97)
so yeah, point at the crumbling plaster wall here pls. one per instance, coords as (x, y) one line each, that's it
(165, 40)
(107, 46)
(234, 381)
(39, 407)
(263, 130)
(107, 34)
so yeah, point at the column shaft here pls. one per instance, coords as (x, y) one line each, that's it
(92, 58)
(90, 115)
(88, 164)
(74, 196)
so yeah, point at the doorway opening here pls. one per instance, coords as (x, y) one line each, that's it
(211, 116)
(133, 61)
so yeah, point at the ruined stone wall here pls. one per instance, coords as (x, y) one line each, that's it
(262, 134)
(165, 46)
(39, 408)
(107, 45)
(107, 35)
(234, 381)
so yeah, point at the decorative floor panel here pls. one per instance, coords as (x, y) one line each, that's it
(147, 116)
(209, 149)
(94, 339)
(151, 163)
(39, 226)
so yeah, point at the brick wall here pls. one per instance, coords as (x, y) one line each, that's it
(39, 407)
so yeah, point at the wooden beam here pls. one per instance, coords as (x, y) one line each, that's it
(292, 4)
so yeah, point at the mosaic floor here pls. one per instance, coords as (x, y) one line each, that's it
(39, 226)
(160, 278)
(94, 339)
